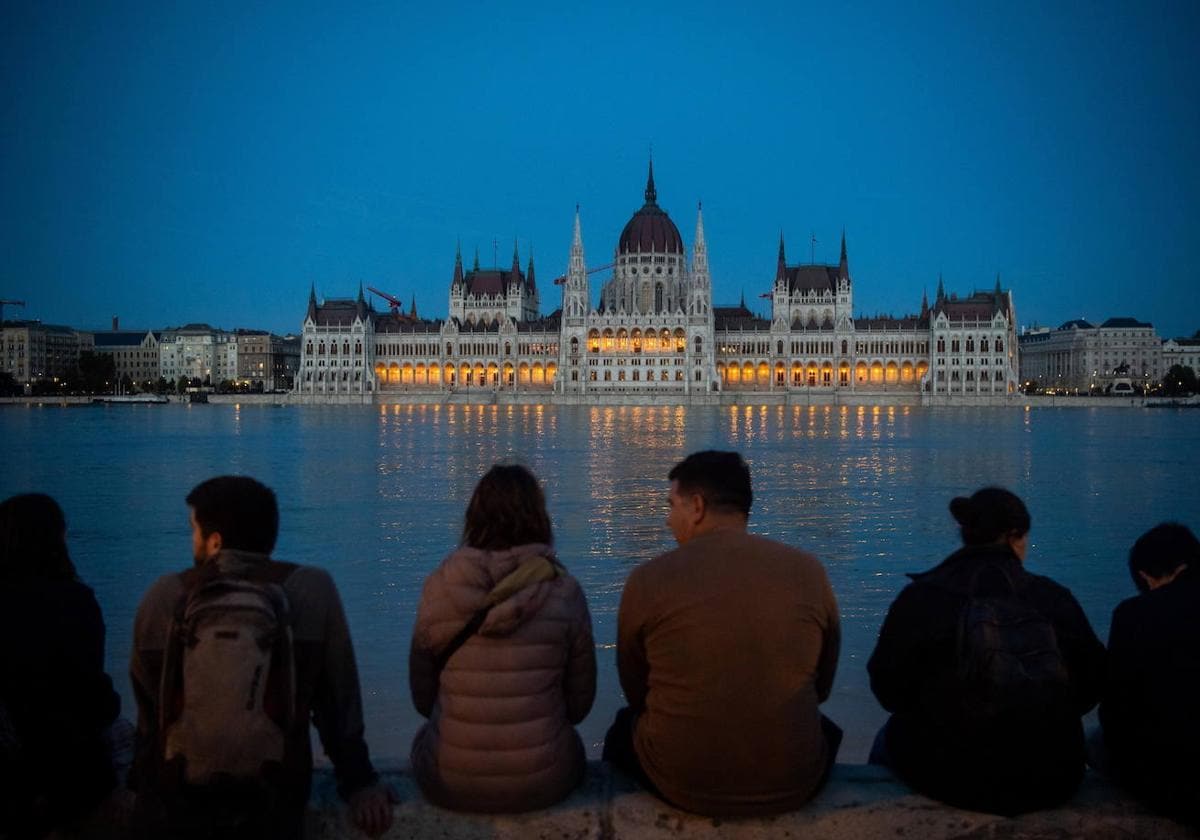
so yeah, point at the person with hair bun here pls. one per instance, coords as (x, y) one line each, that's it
(986, 669)
(502, 662)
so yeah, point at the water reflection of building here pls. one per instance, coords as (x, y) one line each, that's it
(656, 332)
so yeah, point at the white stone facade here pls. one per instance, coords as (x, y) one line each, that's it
(655, 332)
(1080, 357)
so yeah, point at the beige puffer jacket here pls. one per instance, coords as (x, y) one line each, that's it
(500, 735)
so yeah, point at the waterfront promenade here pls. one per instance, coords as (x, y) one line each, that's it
(860, 802)
(728, 398)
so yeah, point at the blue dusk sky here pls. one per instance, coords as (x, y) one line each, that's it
(171, 162)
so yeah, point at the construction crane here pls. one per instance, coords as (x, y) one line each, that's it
(393, 302)
(4, 303)
(558, 281)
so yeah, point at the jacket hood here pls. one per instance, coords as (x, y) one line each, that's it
(474, 572)
(973, 564)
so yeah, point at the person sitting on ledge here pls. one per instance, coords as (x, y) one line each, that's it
(502, 662)
(231, 660)
(1152, 687)
(986, 669)
(56, 701)
(725, 648)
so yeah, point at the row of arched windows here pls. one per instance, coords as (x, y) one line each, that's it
(638, 341)
(465, 374)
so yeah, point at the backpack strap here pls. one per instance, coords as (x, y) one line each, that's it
(528, 572)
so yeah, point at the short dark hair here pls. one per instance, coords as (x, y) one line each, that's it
(721, 478)
(33, 541)
(507, 509)
(1162, 550)
(989, 514)
(243, 511)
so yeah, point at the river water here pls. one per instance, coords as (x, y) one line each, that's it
(376, 495)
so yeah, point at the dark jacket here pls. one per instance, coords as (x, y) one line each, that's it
(60, 700)
(500, 735)
(327, 689)
(931, 743)
(1152, 694)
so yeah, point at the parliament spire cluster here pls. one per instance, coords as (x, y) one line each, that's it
(655, 332)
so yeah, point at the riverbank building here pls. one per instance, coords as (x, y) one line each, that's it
(655, 332)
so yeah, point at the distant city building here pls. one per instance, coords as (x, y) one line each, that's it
(32, 351)
(1181, 351)
(134, 353)
(1079, 356)
(198, 351)
(656, 331)
(266, 361)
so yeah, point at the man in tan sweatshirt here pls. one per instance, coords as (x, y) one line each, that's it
(725, 647)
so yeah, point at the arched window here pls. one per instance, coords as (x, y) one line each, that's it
(954, 345)
(843, 347)
(508, 348)
(308, 350)
(983, 345)
(658, 297)
(779, 347)
(999, 346)
(346, 348)
(970, 344)
(941, 345)
(574, 345)
(699, 345)
(321, 349)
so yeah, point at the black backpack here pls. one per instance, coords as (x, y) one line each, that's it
(228, 695)
(1009, 663)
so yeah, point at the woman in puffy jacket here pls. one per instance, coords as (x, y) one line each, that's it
(502, 684)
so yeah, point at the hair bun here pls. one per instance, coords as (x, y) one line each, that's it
(962, 510)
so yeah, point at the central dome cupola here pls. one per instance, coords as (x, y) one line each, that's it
(651, 229)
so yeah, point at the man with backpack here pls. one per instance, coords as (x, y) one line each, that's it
(986, 669)
(230, 660)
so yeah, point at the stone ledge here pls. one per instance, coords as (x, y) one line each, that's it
(860, 801)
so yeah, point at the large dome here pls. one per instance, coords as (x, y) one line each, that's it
(650, 229)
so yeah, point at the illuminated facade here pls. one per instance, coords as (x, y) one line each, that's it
(656, 332)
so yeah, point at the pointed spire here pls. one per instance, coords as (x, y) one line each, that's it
(941, 291)
(515, 276)
(476, 267)
(360, 305)
(360, 292)
(781, 265)
(312, 302)
(458, 269)
(998, 289)
(924, 303)
(843, 263)
(743, 300)
(651, 193)
(412, 313)
(699, 246)
(529, 282)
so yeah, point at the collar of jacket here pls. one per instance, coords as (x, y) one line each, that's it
(956, 571)
(233, 561)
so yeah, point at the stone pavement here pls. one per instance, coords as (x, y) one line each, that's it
(861, 802)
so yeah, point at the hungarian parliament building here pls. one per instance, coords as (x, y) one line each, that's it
(656, 332)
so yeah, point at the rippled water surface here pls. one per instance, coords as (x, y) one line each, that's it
(376, 495)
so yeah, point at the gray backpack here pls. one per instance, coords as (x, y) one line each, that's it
(228, 694)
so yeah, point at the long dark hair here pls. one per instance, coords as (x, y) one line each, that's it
(507, 509)
(33, 539)
(989, 515)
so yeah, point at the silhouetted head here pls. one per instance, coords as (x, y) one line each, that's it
(708, 489)
(33, 539)
(722, 478)
(507, 509)
(1161, 553)
(992, 515)
(242, 511)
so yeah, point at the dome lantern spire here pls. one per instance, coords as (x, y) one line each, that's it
(651, 193)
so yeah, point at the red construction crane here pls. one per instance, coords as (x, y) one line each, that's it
(394, 303)
(558, 281)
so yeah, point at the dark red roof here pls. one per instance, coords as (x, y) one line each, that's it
(808, 278)
(490, 281)
(650, 229)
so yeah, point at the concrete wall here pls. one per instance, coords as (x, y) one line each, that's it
(860, 802)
